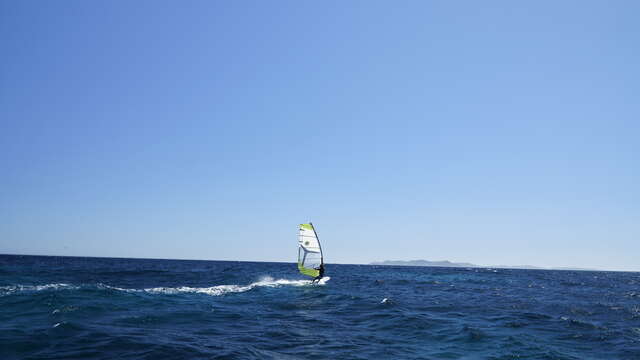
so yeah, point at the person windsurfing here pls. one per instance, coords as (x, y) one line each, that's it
(310, 259)
(320, 273)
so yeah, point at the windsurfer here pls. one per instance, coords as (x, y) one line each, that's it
(321, 273)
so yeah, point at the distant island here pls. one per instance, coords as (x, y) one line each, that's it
(443, 263)
(447, 263)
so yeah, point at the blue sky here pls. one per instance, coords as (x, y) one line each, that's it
(495, 132)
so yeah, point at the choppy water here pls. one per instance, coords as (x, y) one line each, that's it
(89, 308)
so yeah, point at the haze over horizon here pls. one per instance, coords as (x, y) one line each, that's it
(493, 133)
(376, 262)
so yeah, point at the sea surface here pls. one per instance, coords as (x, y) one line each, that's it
(103, 308)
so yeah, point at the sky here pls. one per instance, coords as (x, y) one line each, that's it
(493, 132)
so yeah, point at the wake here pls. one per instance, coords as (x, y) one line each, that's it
(226, 289)
(217, 290)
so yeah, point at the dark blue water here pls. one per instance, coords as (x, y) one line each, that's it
(96, 308)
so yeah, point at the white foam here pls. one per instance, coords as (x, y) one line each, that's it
(6, 290)
(218, 290)
(226, 289)
(387, 301)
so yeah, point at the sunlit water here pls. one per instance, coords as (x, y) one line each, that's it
(88, 308)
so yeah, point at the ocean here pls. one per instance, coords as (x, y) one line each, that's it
(105, 308)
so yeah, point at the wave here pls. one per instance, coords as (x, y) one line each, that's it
(225, 289)
(10, 289)
(217, 290)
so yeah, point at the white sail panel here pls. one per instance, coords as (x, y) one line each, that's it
(307, 238)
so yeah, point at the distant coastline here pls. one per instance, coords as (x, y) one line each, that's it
(447, 263)
(443, 263)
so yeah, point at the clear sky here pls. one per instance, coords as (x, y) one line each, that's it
(492, 132)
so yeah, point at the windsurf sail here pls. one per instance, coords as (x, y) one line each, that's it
(309, 250)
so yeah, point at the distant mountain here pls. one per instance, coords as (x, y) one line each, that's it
(447, 263)
(444, 263)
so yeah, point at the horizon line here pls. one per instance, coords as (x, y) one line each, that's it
(503, 267)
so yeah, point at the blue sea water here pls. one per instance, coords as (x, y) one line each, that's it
(101, 308)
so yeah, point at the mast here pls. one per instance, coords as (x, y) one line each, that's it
(319, 245)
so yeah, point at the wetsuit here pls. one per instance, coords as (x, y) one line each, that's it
(321, 270)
